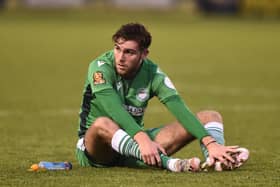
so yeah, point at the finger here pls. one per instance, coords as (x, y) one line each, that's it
(162, 149)
(152, 161)
(226, 162)
(231, 151)
(233, 146)
(210, 160)
(221, 159)
(158, 159)
(145, 159)
(228, 157)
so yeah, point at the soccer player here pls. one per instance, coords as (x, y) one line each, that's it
(117, 89)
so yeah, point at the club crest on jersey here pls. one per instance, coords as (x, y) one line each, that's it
(98, 78)
(169, 83)
(142, 94)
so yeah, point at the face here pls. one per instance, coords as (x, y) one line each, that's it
(128, 57)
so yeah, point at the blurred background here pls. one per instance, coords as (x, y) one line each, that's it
(244, 7)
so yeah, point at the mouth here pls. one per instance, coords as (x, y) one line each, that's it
(121, 67)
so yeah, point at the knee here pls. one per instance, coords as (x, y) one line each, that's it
(103, 125)
(209, 116)
(99, 135)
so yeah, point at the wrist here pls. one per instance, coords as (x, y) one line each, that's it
(210, 143)
(207, 140)
(140, 137)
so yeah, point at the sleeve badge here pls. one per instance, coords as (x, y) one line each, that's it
(98, 78)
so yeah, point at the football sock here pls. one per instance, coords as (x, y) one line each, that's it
(216, 130)
(125, 145)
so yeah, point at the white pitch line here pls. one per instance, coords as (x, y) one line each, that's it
(221, 90)
(151, 109)
(49, 112)
(60, 112)
(250, 108)
(234, 107)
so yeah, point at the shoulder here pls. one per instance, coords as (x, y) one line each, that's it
(102, 66)
(106, 60)
(101, 72)
(159, 78)
(153, 69)
(150, 66)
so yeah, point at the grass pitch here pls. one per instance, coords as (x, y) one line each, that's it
(231, 65)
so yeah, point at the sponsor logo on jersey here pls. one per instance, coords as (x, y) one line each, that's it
(135, 111)
(100, 63)
(142, 94)
(98, 78)
(168, 83)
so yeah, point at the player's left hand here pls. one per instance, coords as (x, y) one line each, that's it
(219, 152)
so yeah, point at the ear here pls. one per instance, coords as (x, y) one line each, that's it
(145, 53)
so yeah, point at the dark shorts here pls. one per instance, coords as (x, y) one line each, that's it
(85, 160)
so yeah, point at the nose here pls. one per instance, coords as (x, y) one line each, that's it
(122, 57)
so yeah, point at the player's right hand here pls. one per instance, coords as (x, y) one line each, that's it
(149, 149)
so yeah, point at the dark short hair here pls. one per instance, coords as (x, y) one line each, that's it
(136, 32)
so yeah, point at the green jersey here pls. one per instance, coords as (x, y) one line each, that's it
(124, 101)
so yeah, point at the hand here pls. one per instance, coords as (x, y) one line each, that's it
(219, 152)
(149, 149)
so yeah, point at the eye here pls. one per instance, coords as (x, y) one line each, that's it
(117, 48)
(130, 52)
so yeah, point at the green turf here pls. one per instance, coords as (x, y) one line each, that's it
(231, 65)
